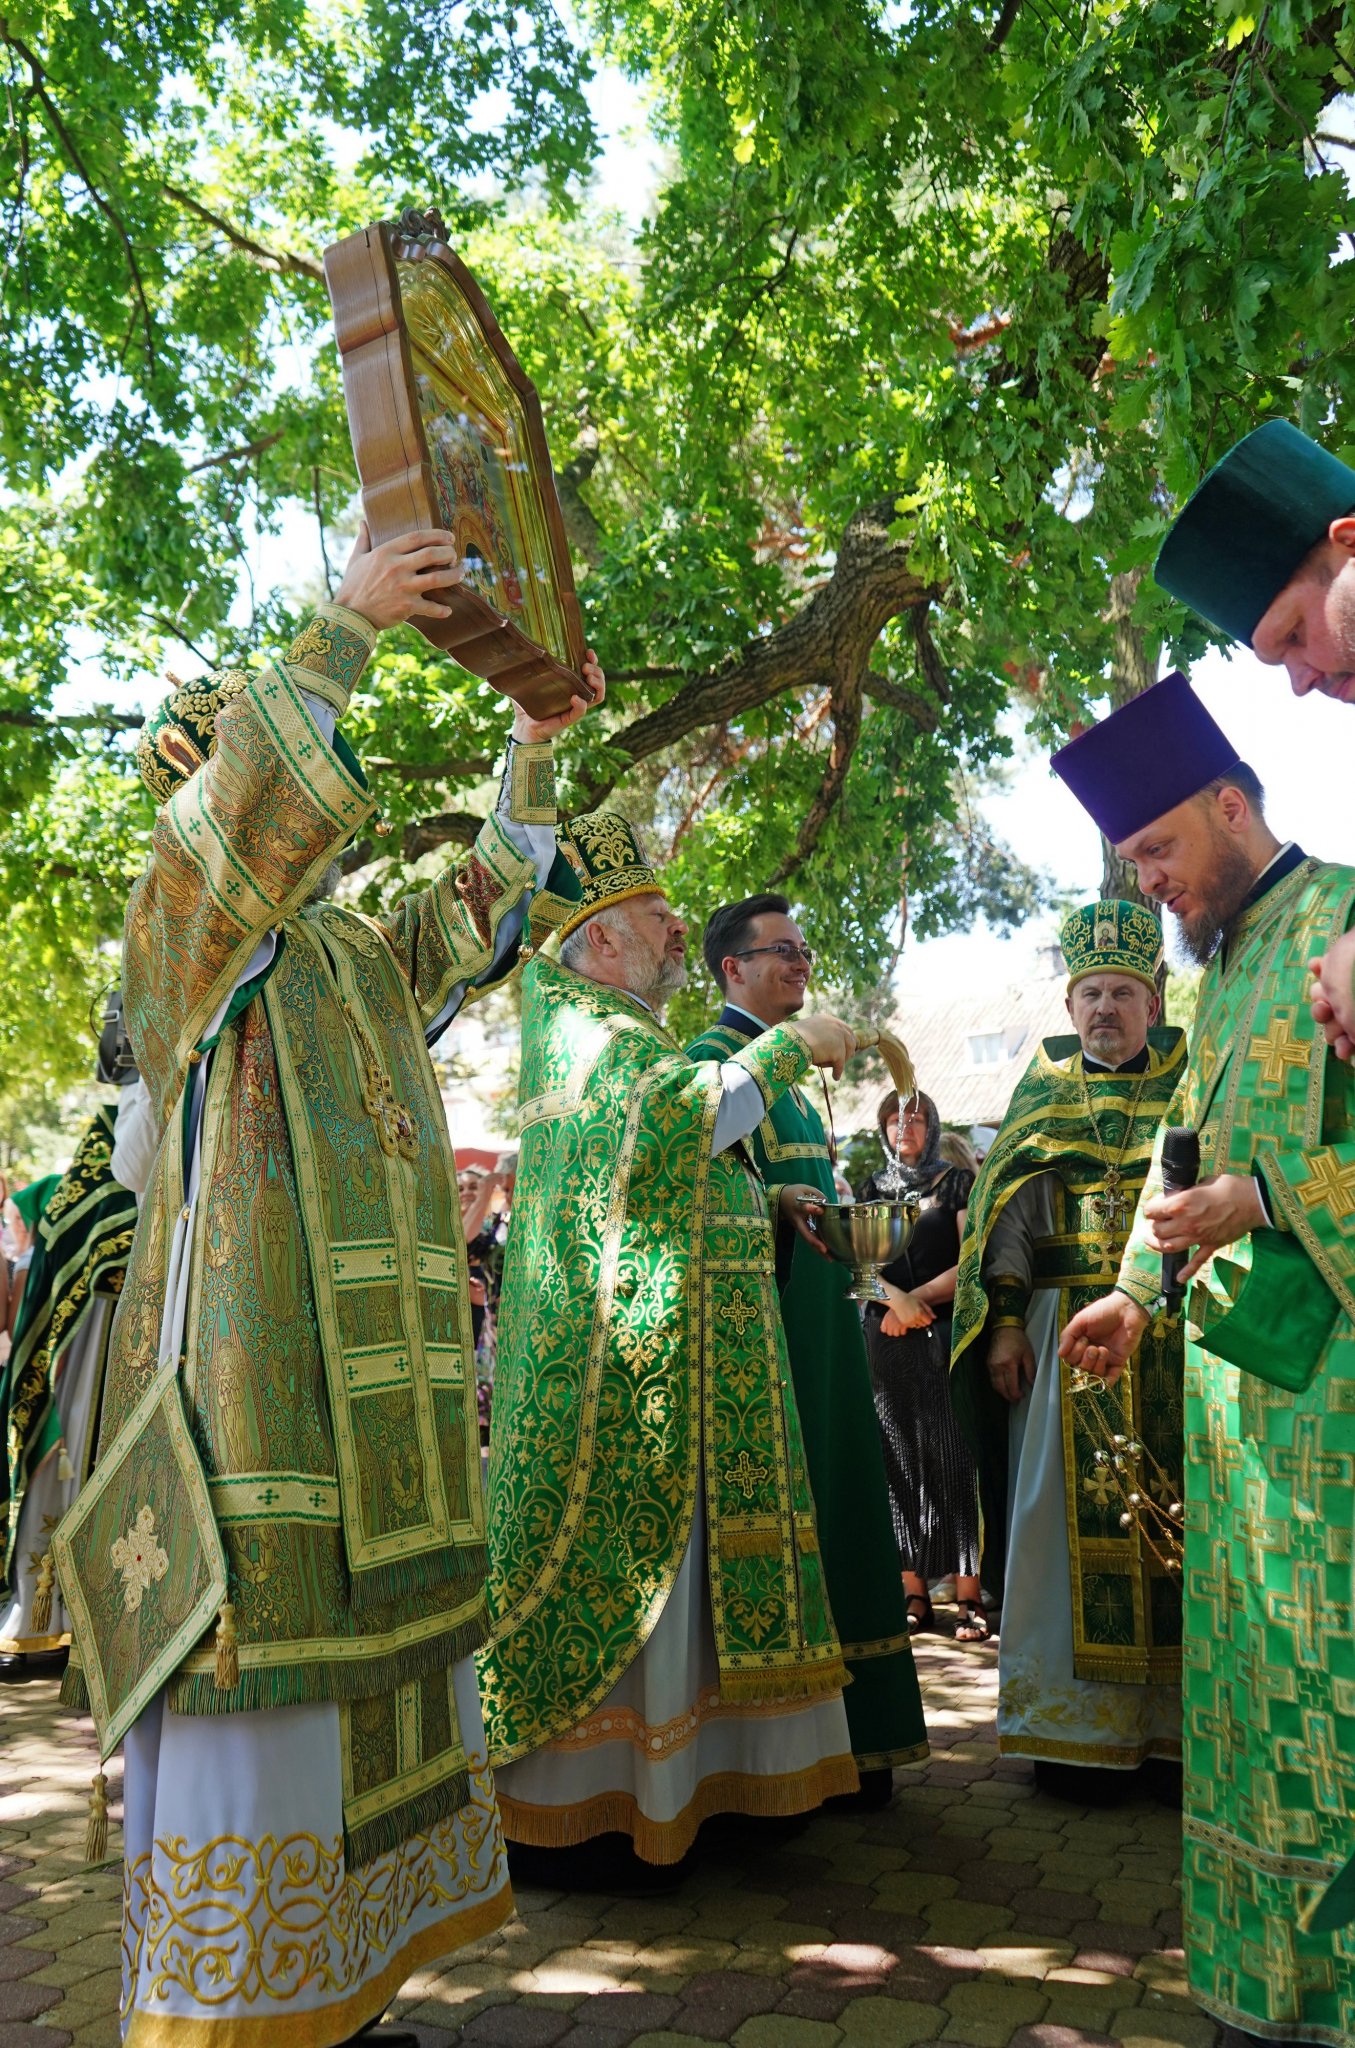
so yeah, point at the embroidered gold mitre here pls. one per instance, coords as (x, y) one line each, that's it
(598, 862)
(1112, 938)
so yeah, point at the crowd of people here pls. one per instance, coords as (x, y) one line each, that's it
(1107, 1395)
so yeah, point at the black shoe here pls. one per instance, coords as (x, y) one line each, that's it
(19, 1666)
(875, 1791)
(1160, 1778)
(1083, 1784)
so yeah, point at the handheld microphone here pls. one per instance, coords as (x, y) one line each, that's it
(1180, 1170)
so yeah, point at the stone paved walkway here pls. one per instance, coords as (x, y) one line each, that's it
(973, 1910)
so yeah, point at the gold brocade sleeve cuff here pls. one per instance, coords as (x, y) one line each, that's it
(329, 654)
(531, 782)
(1139, 1289)
(1008, 1301)
(776, 1060)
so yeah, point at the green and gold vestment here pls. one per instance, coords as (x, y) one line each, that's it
(641, 1362)
(1270, 1488)
(1126, 1609)
(842, 1437)
(80, 1254)
(325, 1368)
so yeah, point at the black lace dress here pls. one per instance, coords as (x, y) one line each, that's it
(933, 1491)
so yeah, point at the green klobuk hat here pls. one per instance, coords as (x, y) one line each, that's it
(1112, 938)
(181, 733)
(1250, 524)
(598, 862)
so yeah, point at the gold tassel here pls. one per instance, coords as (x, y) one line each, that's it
(227, 1650)
(42, 1596)
(96, 1834)
(65, 1471)
(750, 1542)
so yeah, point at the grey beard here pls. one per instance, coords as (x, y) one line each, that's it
(671, 974)
(325, 883)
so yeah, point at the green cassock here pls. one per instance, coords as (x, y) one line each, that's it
(1269, 1677)
(842, 1437)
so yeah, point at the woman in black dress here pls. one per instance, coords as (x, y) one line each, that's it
(932, 1486)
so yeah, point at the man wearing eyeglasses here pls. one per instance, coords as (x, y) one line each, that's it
(757, 955)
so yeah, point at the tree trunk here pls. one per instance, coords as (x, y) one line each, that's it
(1133, 670)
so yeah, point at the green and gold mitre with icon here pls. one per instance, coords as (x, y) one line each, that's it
(598, 861)
(180, 734)
(327, 657)
(1112, 937)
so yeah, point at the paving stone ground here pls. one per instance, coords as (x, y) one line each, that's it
(973, 1910)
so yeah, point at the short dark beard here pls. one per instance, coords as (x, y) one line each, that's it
(1225, 891)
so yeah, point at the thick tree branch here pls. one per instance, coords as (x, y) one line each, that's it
(829, 637)
(449, 828)
(285, 262)
(647, 675)
(880, 690)
(581, 528)
(1002, 27)
(846, 710)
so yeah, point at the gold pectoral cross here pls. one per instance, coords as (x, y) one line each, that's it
(1112, 1214)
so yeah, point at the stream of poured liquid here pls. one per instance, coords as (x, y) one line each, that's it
(893, 1180)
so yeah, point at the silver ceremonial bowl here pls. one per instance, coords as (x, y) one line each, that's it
(867, 1236)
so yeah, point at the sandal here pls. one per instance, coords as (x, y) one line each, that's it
(924, 1619)
(972, 1627)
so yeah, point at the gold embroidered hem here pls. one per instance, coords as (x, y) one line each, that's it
(659, 1740)
(244, 1914)
(335, 2023)
(1111, 1756)
(891, 1759)
(33, 1646)
(658, 1841)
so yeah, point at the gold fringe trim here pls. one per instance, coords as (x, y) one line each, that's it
(667, 1841)
(42, 1595)
(808, 1541)
(892, 1759)
(1107, 1754)
(74, 1690)
(369, 1839)
(1106, 1664)
(345, 1675)
(749, 1542)
(799, 1682)
(326, 2025)
(96, 1834)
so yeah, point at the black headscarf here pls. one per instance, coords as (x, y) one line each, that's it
(918, 1176)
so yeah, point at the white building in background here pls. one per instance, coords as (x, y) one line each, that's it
(969, 1051)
